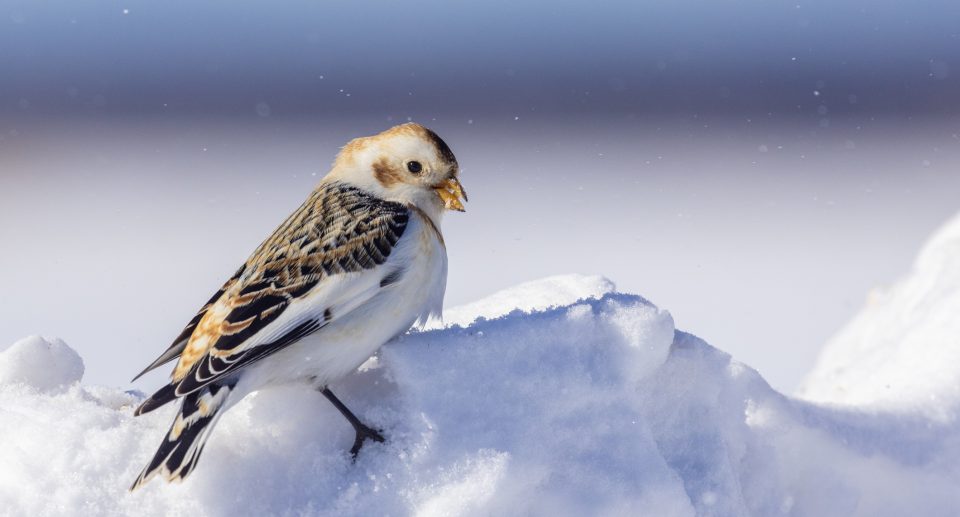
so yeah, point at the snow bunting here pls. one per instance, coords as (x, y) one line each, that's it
(361, 261)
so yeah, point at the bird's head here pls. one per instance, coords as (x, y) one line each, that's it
(407, 163)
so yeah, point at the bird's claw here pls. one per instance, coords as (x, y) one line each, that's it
(364, 433)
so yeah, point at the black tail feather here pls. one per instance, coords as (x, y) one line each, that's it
(161, 397)
(181, 448)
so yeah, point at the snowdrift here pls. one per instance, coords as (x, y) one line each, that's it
(902, 352)
(585, 402)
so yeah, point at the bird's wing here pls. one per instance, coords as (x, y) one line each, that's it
(301, 278)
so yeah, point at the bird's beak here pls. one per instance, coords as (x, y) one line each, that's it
(451, 192)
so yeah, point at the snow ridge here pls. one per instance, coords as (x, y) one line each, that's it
(594, 405)
(902, 351)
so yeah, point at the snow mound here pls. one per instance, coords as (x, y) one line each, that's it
(46, 365)
(595, 407)
(537, 295)
(902, 351)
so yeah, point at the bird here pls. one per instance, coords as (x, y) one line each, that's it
(360, 262)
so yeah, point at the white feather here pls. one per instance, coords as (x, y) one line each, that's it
(364, 315)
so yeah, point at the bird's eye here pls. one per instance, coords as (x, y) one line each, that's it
(414, 167)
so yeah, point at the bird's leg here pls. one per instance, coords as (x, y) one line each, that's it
(363, 432)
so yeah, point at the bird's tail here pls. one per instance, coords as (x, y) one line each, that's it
(181, 448)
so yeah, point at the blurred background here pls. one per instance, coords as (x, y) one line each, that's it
(756, 167)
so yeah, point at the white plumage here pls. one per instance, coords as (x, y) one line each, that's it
(373, 315)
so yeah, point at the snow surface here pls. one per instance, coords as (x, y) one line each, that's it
(902, 352)
(46, 365)
(597, 406)
(537, 295)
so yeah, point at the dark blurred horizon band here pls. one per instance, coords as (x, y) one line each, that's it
(423, 58)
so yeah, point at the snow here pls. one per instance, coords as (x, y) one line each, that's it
(584, 402)
(46, 365)
(902, 352)
(537, 295)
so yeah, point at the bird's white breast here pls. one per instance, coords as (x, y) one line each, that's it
(349, 340)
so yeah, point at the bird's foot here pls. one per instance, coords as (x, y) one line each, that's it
(364, 433)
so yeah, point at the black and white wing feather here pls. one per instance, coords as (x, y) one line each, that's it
(339, 230)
